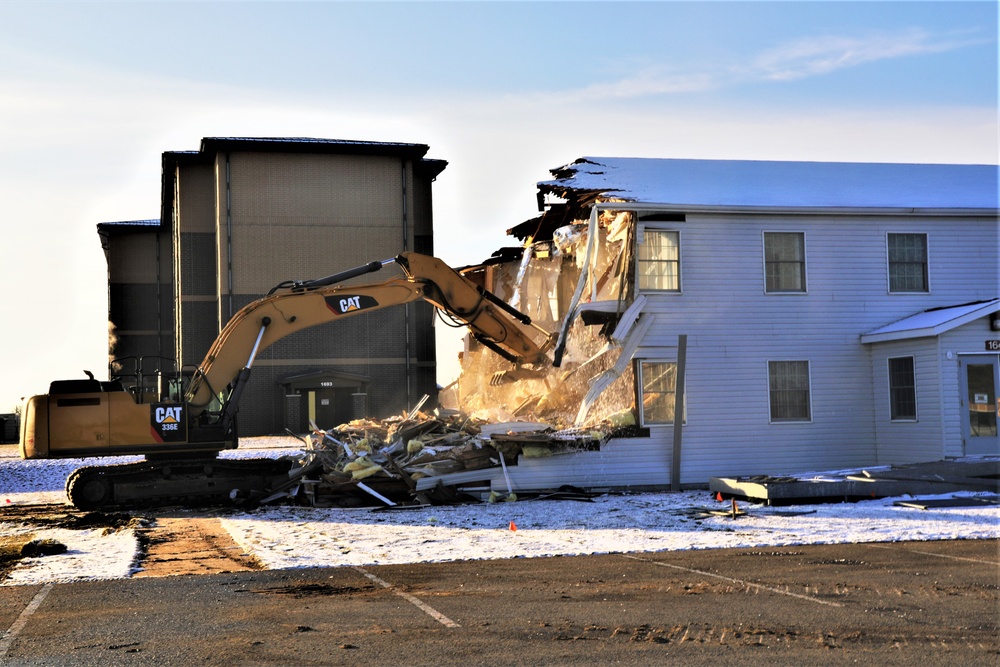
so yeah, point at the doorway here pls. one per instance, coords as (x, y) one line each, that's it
(980, 377)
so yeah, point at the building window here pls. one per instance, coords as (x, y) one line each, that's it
(907, 262)
(784, 262)
(789, 391)
(902, 390)
(658, 260)
(658, 381)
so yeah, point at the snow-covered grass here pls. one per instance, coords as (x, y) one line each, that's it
(298, 537)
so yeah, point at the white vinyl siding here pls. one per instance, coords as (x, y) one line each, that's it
(909, 441)
(658, 260)
(784, 262)
(733, 327)
(907, 257)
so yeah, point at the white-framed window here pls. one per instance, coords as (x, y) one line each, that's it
(658, 260)
(784, 262)
(789, 391)
(907, 259)
(657, 386)
(902, 389)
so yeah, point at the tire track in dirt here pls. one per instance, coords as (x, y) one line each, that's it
(168, 544)
(190, 545)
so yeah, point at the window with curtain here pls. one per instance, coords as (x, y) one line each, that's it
(658, 260)
(789, 391)
(907, 262)
(784, 262)
(658, 382)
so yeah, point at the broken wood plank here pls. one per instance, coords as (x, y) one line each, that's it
(451, 479)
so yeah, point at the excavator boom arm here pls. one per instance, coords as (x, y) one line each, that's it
(295, 306)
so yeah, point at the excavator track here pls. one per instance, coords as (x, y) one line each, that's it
(198, 482)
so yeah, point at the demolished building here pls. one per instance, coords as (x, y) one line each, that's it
(797, 316)
(757, 300)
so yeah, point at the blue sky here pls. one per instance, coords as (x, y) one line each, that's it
(92, 93)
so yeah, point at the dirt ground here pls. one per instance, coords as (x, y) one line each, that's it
(170, 542)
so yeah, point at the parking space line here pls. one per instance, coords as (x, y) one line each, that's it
(928, 553)
(737, 581)
(22, 619)
(427, 609)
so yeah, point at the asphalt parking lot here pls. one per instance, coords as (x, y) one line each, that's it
(883, 603)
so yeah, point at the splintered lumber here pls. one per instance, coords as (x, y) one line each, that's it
(413, 457)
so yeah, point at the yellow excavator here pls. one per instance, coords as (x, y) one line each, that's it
(181, 429)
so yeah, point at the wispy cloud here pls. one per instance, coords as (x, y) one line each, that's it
(824, 54)
(795, 60)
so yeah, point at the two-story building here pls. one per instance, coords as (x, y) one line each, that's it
(826, 315)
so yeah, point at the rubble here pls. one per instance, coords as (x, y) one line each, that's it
(367, 462)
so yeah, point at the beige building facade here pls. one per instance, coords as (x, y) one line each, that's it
(241, 215)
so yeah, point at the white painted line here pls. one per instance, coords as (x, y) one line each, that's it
(22, 620)
(738, 581)
(427, 609)
(928, 553)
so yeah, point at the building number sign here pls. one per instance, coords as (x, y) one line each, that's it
(993, 346)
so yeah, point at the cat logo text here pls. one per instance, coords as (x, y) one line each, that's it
(167, 422)
(344, 304)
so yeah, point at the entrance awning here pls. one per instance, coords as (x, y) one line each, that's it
(932, 322)
(324, 380)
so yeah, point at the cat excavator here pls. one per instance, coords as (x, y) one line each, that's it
(181, 428)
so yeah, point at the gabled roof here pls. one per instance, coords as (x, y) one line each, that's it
(932, 322)
(681, 184)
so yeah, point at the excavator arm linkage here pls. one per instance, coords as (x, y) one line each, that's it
(294, 306)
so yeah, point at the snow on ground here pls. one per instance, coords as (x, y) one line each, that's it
(299, 537)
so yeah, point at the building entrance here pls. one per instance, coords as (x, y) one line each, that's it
(980, 375)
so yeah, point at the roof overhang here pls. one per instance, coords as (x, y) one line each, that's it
(933, 322)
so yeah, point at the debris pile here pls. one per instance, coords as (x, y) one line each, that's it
(364, 461)
(574, 283)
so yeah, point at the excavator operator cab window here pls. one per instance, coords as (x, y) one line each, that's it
(176, 386)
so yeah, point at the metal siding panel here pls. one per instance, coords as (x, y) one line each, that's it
(277, 250)
(621, 463)
(196, 199)
(307, 216)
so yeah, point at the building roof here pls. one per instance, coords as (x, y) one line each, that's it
(126, 226)
(211, 146)
(749, 184)
(932, 322)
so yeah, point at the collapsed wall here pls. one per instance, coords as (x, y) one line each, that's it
(572, 286)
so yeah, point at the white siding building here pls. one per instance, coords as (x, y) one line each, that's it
(835, 315)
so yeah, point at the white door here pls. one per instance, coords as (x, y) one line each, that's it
(980, 376)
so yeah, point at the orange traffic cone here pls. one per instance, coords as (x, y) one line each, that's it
(513, 526)
(718, 496)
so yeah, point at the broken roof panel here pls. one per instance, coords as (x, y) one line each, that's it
(932, 322)
(751, 184)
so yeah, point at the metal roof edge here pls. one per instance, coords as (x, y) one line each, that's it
(312, 145)
(815, 210)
